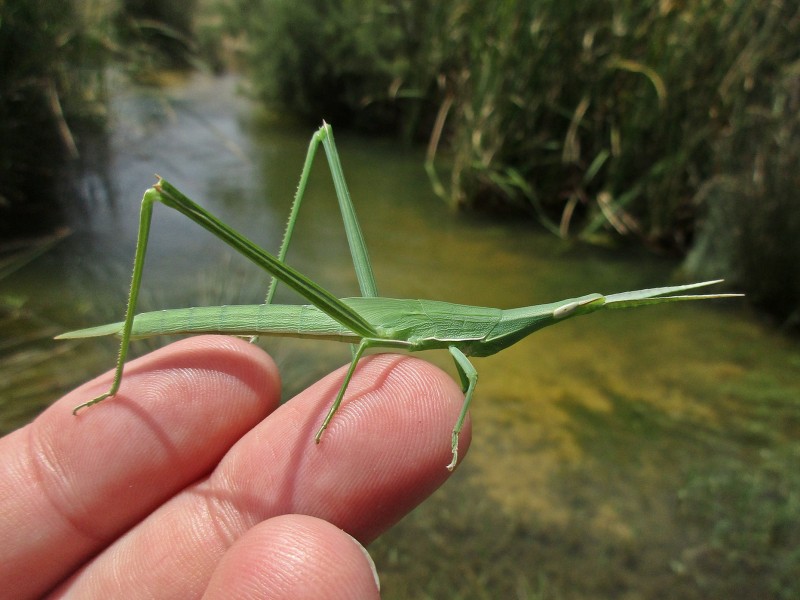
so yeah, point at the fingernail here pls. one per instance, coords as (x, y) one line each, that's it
(369, 560)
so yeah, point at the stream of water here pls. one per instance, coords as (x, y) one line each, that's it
(596, 442)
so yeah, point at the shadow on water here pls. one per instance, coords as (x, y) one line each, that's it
(639, 454)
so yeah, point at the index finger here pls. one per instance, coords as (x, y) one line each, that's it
(69, 485)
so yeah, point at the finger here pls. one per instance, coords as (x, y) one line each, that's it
(71, 484)
(386, 450)
(294, 557)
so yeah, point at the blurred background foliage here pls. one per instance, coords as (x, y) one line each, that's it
(51, 59)
(669, 124)
(54, 57)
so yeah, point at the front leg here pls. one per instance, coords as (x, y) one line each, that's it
(362, 346)
(358, 352)
(469, 378)
(145, 218)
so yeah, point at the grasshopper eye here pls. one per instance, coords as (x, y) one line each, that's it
(563, 311)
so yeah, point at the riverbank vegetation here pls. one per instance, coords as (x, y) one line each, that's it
(673, 125)
(661, 123)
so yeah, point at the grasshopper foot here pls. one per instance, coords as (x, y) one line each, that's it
(318, 436)
(454, 448)
(100, 398)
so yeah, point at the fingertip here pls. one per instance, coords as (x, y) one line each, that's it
(386, 449)
(198, 377)
(410, 404)
(295, 557)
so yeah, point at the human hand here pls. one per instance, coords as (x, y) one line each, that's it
(193, 482)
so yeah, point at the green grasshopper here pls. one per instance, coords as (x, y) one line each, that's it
(366, 322)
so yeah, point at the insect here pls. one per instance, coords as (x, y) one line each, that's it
(366, 322)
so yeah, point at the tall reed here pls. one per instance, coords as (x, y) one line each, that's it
(605, 118)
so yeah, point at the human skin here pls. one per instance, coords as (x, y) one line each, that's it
(193, 482)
